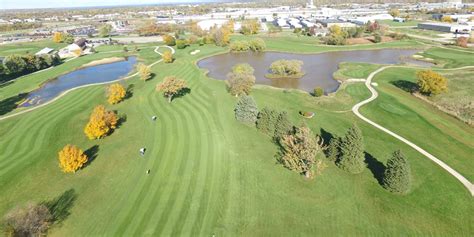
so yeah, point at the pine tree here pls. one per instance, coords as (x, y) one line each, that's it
(282, 126)
(267, 119)
(246, 110)
(352, 151)
(333, 151)
(397, 176)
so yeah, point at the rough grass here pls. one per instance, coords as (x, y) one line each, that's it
(449, 58)
(29, 47)
(213, 175)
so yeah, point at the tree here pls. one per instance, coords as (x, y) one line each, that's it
(257, 45)
(318, 91)
(243, 68)
(431, 83)
(32, 220)
(333, 151)
(67, 38)
(144, 71)
(246, 110)
(394, 12)
(447, 19)
(14, 64)
(462, 41)
(299, 150)
(377, 37)
(352, 151)
(167, 57)
(397, 176)
(250, 27)
(71, 158)
(115, 93)
(283, 126)
(169, 40)
(171, 86)
(266, 121)
(222, 36)
(57, 37)
(101, 123)
(181, 44)
(239, 46)
(104, 30)
(240, 83)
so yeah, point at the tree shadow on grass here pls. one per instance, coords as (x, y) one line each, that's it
(9, 104)
(129, 92)
(6, 83)
(91, 154)
(376, 167)
(60, 207)
(182, 93)
(121, 120)
(326, 136)
(407, 86)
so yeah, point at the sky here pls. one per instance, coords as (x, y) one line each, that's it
(28, 4)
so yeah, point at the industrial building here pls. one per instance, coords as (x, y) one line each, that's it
(445, 27)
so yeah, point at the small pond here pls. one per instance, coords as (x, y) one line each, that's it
(319, 68)
(80, 77)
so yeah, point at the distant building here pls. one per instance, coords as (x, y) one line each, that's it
(331, 22)
(398, 19)
(45, 51)
(445, 27)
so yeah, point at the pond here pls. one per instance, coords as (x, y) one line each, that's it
(85, 76)
(319, 68)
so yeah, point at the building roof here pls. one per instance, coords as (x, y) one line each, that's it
(44, 51)
(81, 42)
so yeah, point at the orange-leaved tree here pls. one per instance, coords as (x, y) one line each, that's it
(431, 82)
(144, 71)
(115, 93)
(101, 123)
(171, 86)
(71, 158)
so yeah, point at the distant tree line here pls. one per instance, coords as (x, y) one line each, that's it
(19, 26)
(18, 65)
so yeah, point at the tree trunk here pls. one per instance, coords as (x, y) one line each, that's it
(169, 98)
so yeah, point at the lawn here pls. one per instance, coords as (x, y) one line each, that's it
(392, 23)
(449, 58)
(29, 47)
(212, 175)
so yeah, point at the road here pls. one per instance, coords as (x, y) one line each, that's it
(374, 96)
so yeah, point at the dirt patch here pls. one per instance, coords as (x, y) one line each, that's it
(104, 61)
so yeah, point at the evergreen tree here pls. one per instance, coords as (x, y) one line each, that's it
(397, 176)
(246, 110)
(282, 126)
(266, 121)
(352, 151)
(333, 151)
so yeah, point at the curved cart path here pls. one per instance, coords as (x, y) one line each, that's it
(79, 87)
(374, 96)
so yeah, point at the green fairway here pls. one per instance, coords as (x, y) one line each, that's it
(29, 47)
(212, 175)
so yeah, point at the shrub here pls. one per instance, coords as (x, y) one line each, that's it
(397, 176)
(32, 220)
(431, 82)
(398, 36)
(299, 150)
(243, 68)
(239, 46)
(266, 121)
(71, 158)
(334, 40)
(192, 39)
(169, 40)
(257, 45)
(246, 110)
(286, 68)
(101, 123)
(181, 44)
(250, 27)
(352, 151)
(377, 38)
(115, 93)
(447, 19)
(168, 57)
(462, 42)
(125, 49)
(318, 91)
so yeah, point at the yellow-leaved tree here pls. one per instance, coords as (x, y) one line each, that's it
(171, 86)
(115, 93)
(431, 83)
(167, 57)
(144, 71)
(101, 123)
(71, 158)
(57, 37)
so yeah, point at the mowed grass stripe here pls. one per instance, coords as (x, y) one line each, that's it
(169, 123)
(36, 133)
(201, 157)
